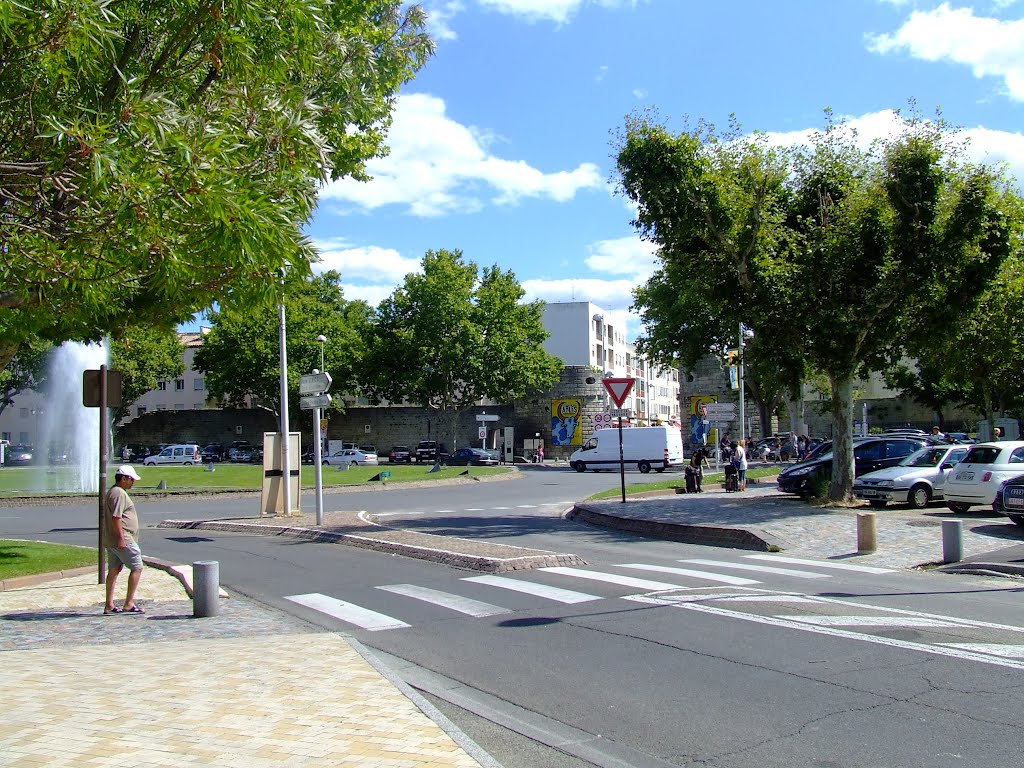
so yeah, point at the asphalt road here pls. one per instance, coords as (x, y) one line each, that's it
(716, 663)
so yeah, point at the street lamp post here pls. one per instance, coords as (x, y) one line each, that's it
(318, 447)
(286, 467)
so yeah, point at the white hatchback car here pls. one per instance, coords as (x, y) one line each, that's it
(976, 479)
(351, 456)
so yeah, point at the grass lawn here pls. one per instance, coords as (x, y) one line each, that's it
(25, 558)
(676, 482)
(225, 477)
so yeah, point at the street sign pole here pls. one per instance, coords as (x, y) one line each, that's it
(315, 387)
(318, 472)
(618, 390)
(101, 574)
(622, 464)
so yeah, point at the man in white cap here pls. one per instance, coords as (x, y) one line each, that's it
(121, 540)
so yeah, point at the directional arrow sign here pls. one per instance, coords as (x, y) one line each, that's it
(719, 410)
(314, 401)
(314, 384)
(618, 389)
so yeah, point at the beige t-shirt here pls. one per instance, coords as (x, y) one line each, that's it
(119, 504)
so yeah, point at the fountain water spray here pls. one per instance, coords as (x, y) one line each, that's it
(69, 429)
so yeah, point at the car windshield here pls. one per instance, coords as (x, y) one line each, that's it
(926, 457)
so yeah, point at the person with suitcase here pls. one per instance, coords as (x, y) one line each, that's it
(695, 471)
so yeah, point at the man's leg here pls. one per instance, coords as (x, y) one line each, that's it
(134, 577)
(113, 570)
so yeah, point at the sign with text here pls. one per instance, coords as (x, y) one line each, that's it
(314, 383)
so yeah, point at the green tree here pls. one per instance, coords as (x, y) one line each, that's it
(144, 355)
(158, 158)
(840, 254)
(240, 356)
(451, 336)
(27, 370)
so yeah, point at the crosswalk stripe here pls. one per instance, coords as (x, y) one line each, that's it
(457, 603)
(761, 568)
(870, 621)
(537, 590)
(347, 612)
(613, 578)
(736, 581)
(821, 563)
(993, 649)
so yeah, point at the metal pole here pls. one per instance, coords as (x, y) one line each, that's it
(286, 466)
(739, 381)
(101, 564)
(622, 464)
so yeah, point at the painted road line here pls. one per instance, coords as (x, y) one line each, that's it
(736, 581)
(820, 564)
(765, 599)
(347, 612)
(474, 509)
(403, 514)
(446, 600)
(936, 650)
(537, 590)
(993, 649)
(613, 578)
(760, 568)
(503, 509)
(526, 506)
(870, 621)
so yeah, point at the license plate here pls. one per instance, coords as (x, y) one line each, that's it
(868, 494)
(964, 476)
(1014, 501)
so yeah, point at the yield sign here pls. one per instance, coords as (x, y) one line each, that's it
(618, 389)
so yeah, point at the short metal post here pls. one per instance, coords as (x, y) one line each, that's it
(867, 533)
(952, 541)
(205, 588)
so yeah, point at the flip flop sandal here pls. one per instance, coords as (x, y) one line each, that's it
(111, 611)
(133, 609)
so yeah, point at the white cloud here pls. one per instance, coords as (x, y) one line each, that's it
(640, 93)
(991, 47)
(602, 71)
(439, 166)
(370, 273)
(624, 256)
(559, 11)
(439, 19)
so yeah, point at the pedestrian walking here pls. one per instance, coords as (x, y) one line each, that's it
(121, 540)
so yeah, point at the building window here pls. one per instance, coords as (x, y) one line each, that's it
(198, 385)
(5, 436)
(197, 407)
(179, 406)
(162, 386)
(23, 438)
(179, 385)
(24, 413)
(140, 410)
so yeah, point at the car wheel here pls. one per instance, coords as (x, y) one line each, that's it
(355, 463)
(919, 496)
(644, 467)
(959, 507)
(188, 463)
(579, 466)
(877, 503)
(1017, 519)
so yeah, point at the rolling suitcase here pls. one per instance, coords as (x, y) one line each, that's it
(732, 479)
(691, 481)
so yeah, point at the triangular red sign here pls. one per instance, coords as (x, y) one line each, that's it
(619, 390)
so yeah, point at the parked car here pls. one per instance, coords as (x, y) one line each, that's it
(236, 447)
(368, 448)
(399, 454)
(917, 480)
(352, 456)
(256, 456)
(869, 454)
(243, 455)
(186, 454)
(979, 475)
(429, 451)
(213, 452)
(18, 455)
(1009, 499)
(476, 457)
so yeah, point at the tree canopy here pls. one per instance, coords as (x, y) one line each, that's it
(144, 355)
(836, 255)
(452, 335)
(157, 158)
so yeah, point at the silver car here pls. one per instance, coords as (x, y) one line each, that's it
(917, 480)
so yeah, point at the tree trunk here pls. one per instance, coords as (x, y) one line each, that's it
(841, 488)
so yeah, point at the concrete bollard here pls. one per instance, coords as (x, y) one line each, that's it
(867, 533)
(952, 541)
(205, 588)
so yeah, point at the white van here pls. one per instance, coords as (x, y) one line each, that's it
(176, 454)
(645, 448)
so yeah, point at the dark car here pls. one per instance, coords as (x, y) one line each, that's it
(1009, 500)
(476, 457)
(240, 450)
(869, 454)
(399, 454)
(18, 455)
(213, 452)
(429, 450)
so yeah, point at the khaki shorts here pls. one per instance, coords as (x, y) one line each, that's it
(130, 556)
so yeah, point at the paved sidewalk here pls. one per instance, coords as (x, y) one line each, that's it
(250, 687)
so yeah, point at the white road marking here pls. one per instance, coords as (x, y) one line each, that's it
(870, 621)
(347, 612)
(993, 649)
(526, 506)
(736, 581)
(502, 508)
(821, 563)
(402, 514)
(613, 578)
(446, 600)
(937, 650)
(766, 599)
(760, 568)
(474, 509)
(538, 590)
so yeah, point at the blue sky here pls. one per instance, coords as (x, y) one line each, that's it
(502, 146)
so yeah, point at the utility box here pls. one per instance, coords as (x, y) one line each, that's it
(272, 498)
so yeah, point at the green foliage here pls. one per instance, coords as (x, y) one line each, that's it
(240, 356)
(144, 356)
(27, 370)
(450, 336)
(162, 157)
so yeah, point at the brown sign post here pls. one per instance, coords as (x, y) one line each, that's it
(102, 389)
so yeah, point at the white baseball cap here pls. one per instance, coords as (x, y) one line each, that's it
(128, 471)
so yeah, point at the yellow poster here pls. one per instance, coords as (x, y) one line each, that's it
(698, 431)
(566, 427)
